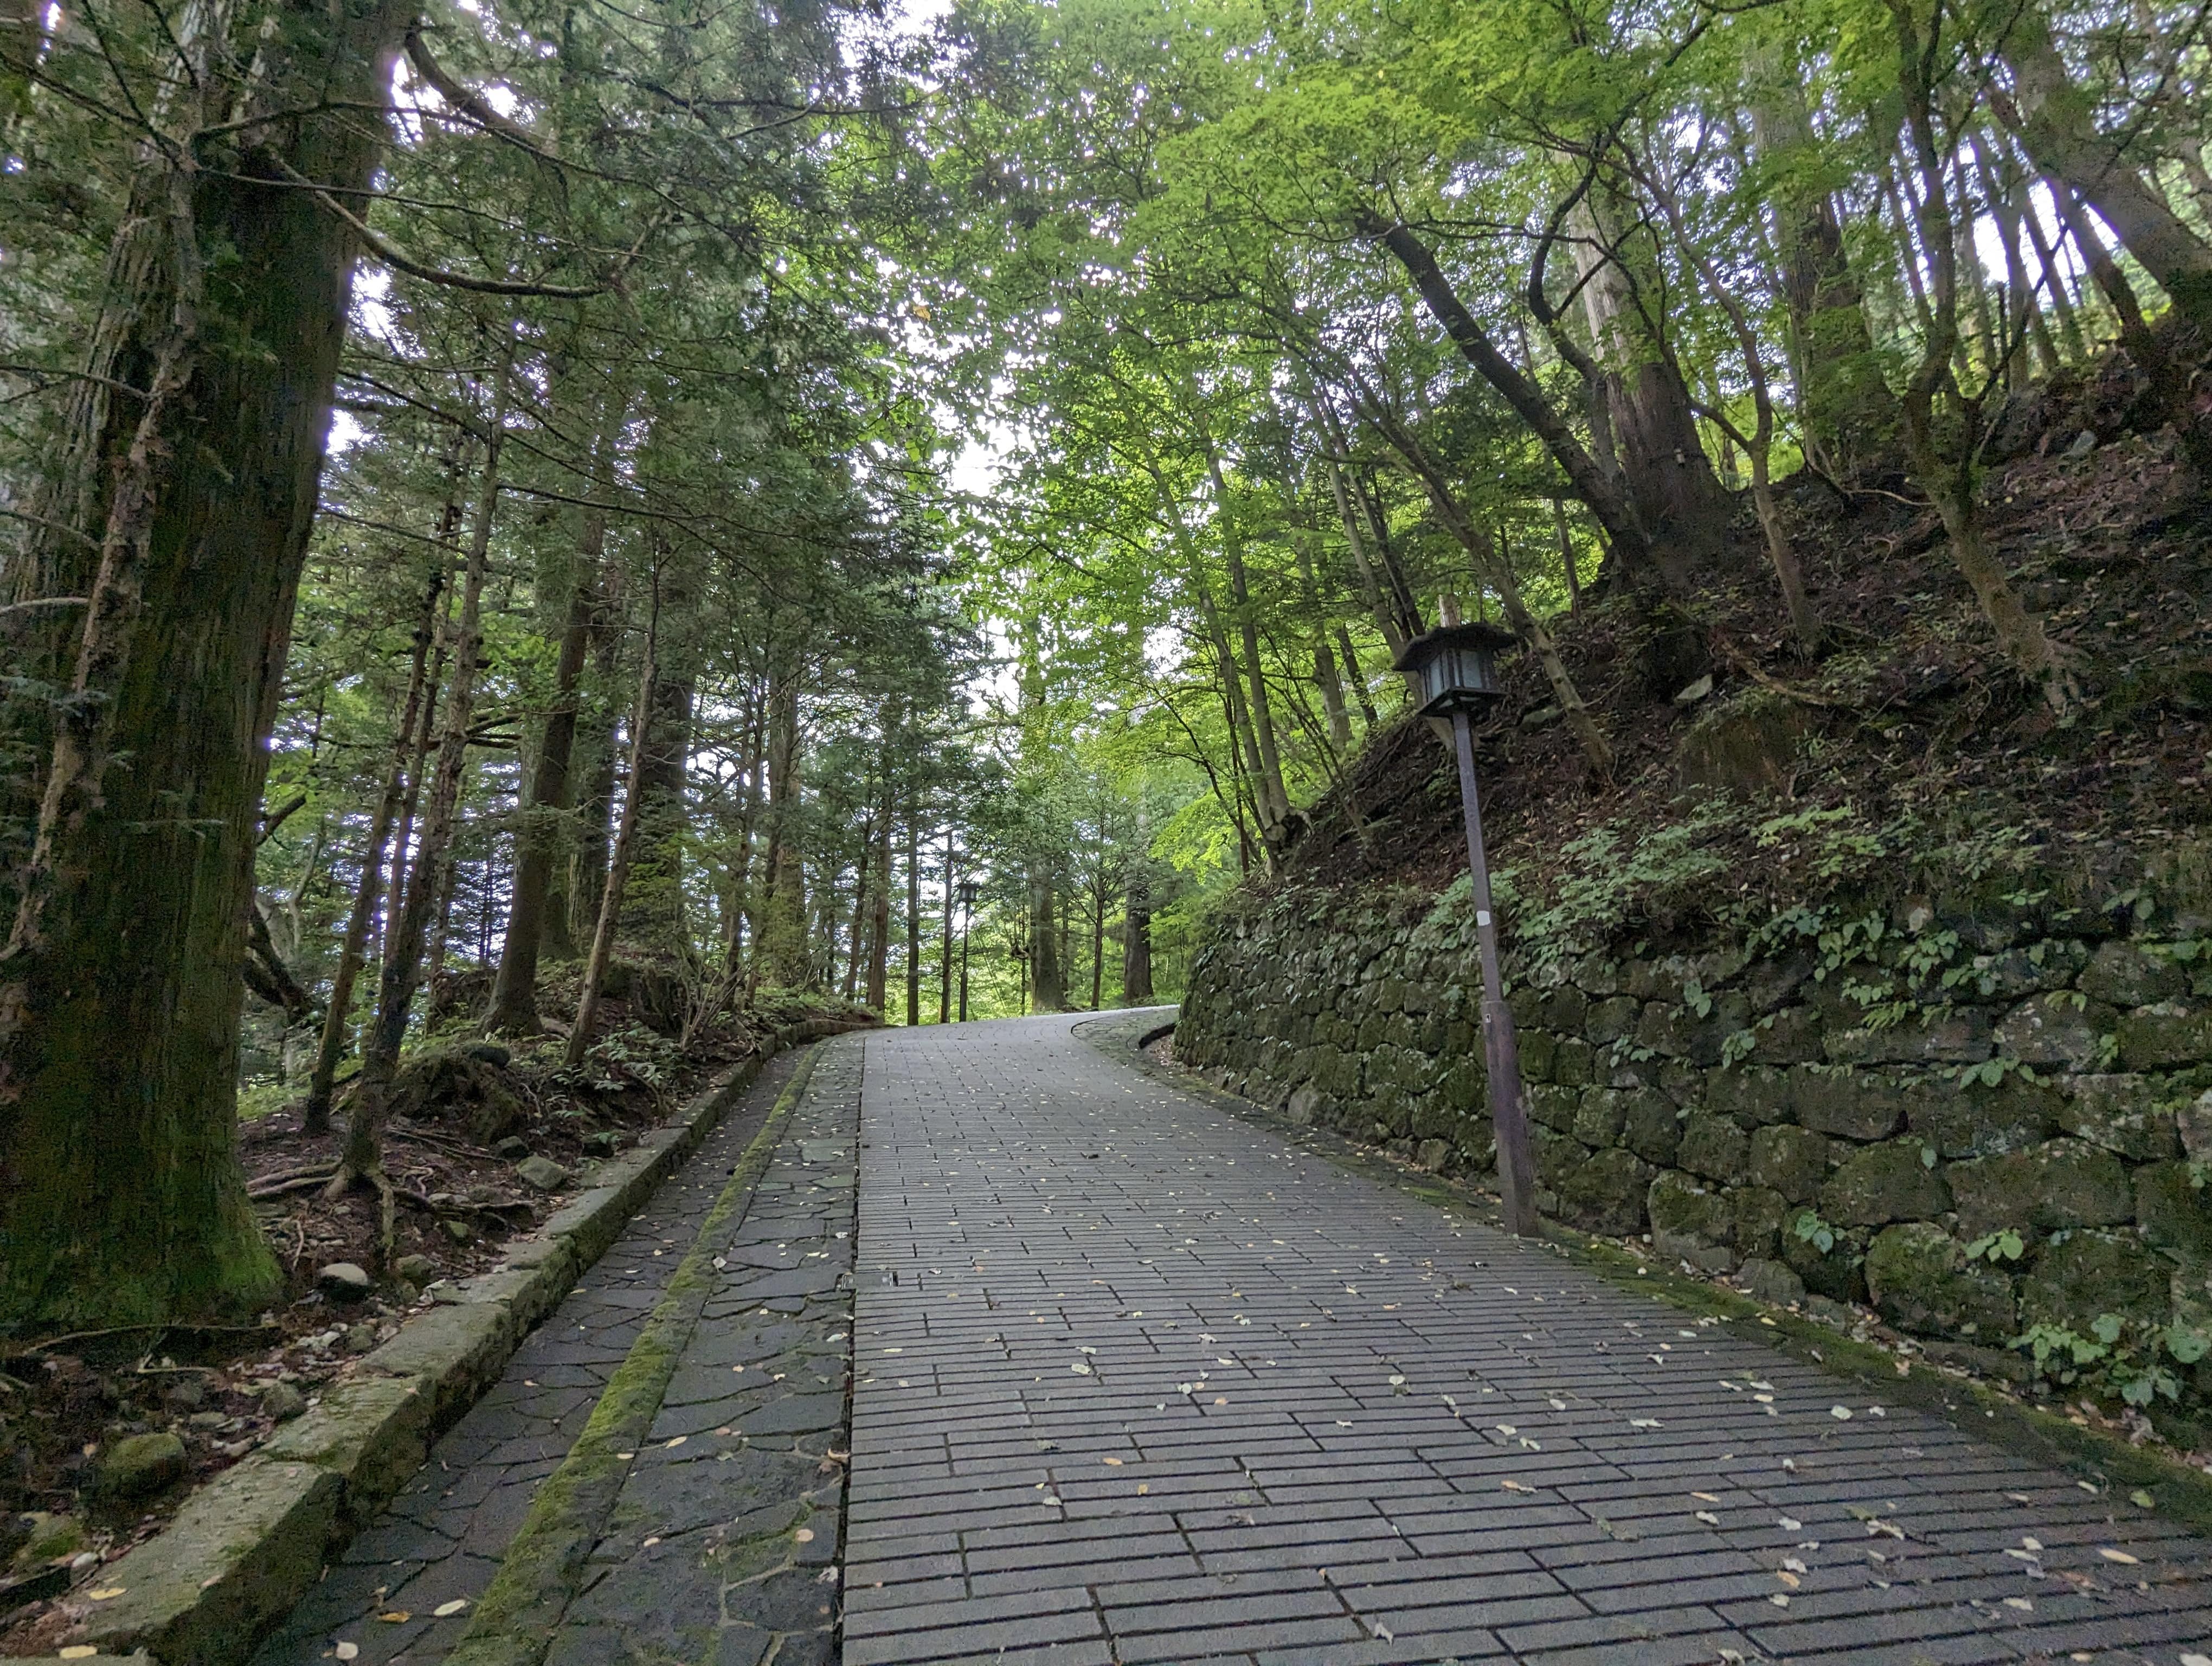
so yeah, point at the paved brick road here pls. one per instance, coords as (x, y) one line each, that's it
(1138, 1382)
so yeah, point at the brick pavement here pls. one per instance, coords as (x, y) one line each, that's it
(1138, 1382)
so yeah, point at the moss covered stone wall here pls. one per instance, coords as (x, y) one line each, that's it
(1985, 1110)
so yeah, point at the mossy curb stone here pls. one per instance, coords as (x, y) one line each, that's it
(247, 1547)
(236, 1558)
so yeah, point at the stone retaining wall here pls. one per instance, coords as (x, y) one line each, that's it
(1839, 1104)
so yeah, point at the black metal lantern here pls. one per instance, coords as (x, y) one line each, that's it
(1458, 666)
(968, 888)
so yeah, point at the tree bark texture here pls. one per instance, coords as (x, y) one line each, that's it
(618, 858)
(186, 511)
(1655, 430)
(537, 840)
(1847, 408)
(913, 914)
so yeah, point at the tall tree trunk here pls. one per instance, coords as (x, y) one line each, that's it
(426, 885)
(2057, 123)
(449, 879)
(337, 1020)
(1137, 911)
(1395, 634)
(1047, 981)
(1952, 481)
(2001, 184)
(1350, 658)
(2054, 280)
(1097, 942)
(783, 933)
(1625, 528)
(856, 940)
(738, 911)
(182, 516)
(944, 983)
(654, 915)
(1654, 428)
(913, 914)
(537, 840)
(2168, 374)
(595, 803)
(1325, 672)
(1248, 628)
(1847, 408)
(879, 911)
(618, 858)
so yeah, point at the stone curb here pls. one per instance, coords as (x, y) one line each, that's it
(250, 1544)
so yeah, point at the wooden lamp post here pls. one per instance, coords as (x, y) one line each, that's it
(1456, 665)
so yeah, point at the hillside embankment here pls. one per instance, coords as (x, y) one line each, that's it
(1866, 982)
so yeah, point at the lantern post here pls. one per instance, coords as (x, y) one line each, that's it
(1456, 665)
(967, 918)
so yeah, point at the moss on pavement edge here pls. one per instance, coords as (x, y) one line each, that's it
(513, 1622)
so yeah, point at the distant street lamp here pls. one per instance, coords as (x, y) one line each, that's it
(1456, 665)
(967, 916)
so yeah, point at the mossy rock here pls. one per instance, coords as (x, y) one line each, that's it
(1964, 1123)
(1850, 1104)
(1556, 1155)
(1651, 1126)
(1692, 1222)
(1601, 1117)
(2081, 1275)
(139, 1467)
(50, 1539)
(1747, 745)
(1606, 1195)
(457, 1084)
(1760, 1217)
(1837, 1271)
(2164, 1036)
(2121, 1113)
(2063, 1027)
(1921, 1280)
(1714, 1146)
(2054, 1187)
(1790, 1161)
(1895, 1181)
(2174, 1211)
(2124, 975)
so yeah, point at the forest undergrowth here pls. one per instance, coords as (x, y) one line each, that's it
(472, 1121)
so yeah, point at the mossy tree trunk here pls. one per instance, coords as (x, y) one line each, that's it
(180, 511)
